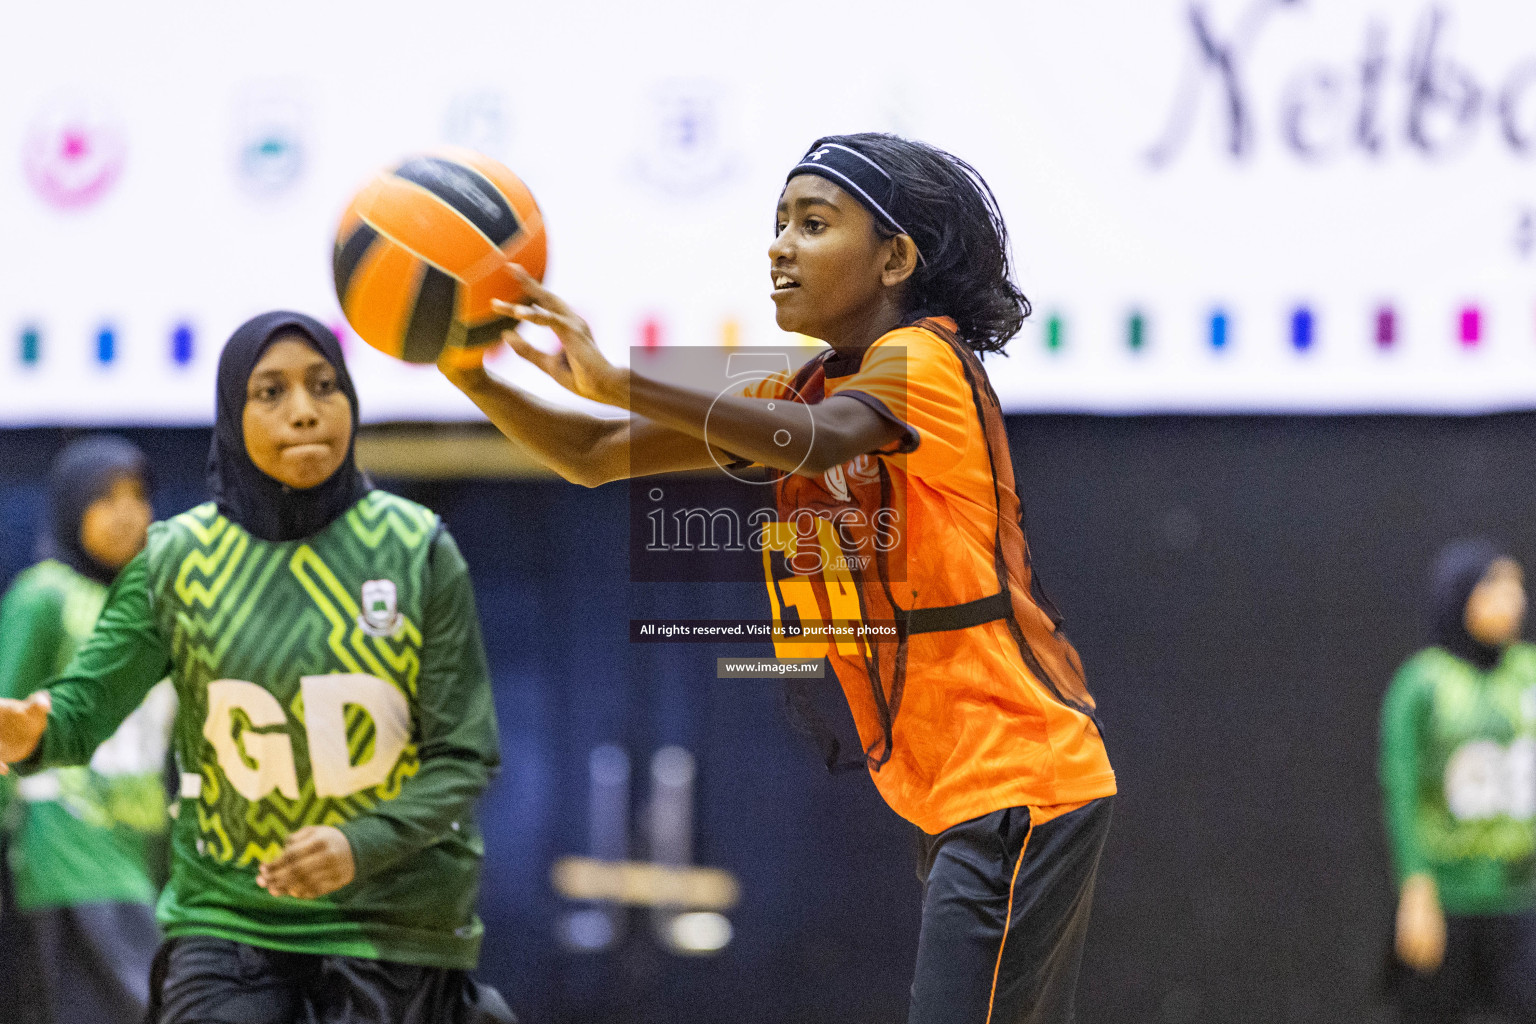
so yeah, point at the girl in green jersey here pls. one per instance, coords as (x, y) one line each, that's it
(335, 727)
(85, 844)
(1458, 763)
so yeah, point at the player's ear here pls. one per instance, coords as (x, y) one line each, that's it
(900, 262)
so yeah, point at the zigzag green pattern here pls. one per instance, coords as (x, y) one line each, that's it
(347, 640)
(216, 564)
(222, 583)
(381, 512)
(271, 819)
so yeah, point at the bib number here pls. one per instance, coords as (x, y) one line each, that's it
(811, 556)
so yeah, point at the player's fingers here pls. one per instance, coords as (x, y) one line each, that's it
(531, 314)
(535, 290)
(327, 880)
(315, 878)
(297, 888)
(551, 363)
(299, 845)
(275, 876)
(1419, 953)
(538, 357)
(290, 878)
(289, 863)
(572, 330)
(516, 342)
(569, 326)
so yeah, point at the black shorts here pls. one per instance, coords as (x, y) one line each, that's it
(1005, 912)
(81, 963)
(1487, 968)
(203, 980)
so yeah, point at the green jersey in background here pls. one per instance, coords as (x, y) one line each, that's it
(337, 680)
(86, 834)
(1458, 762)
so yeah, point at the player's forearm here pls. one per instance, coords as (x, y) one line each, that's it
(31, 629)
(576, 445)
(786, 435)
(1408, 852)
(1402, 713)
(433, 804)
(1400, 789)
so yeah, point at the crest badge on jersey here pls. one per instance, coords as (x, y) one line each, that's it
(835, 482)
(865, 469)
(381, 612)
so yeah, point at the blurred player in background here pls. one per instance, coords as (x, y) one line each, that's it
(1458, 763)
(974, 717)
(336, 726)
(85, 845)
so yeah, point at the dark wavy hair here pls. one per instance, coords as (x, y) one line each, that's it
(952, 215)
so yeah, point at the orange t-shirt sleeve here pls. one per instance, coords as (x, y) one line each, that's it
(913, 378)
(771, 386)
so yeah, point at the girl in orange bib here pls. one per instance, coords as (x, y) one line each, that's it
(897, 509)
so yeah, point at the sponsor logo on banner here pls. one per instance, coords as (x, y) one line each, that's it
(269, 139)
(684, 150)
(73, 152)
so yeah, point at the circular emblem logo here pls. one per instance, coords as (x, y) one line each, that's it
(271, 163)
(684, 149)
(746, 368)
(73, 153)
(269, 128)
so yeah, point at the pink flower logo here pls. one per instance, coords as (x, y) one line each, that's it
(73, 153)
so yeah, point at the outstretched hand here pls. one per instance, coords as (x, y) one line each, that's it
(1420, 925)
(21, 727)
(315, 861)
(579, 366)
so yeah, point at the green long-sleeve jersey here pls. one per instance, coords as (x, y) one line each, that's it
(1458, 764)
(86, 834)
(338, 680)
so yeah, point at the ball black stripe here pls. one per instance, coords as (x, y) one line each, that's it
(349, 254)
(488, 332)
(468, 191)
(431, 316)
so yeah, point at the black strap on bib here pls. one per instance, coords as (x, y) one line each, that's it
(955, 616)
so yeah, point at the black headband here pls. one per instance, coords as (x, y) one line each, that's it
(857, 175)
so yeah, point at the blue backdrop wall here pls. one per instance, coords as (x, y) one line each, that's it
(1241, 588)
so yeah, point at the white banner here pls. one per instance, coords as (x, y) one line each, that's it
(1314, 205)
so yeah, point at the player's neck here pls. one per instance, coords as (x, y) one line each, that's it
(862, 328)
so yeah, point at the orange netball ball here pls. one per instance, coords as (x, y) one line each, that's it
(423, 249)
